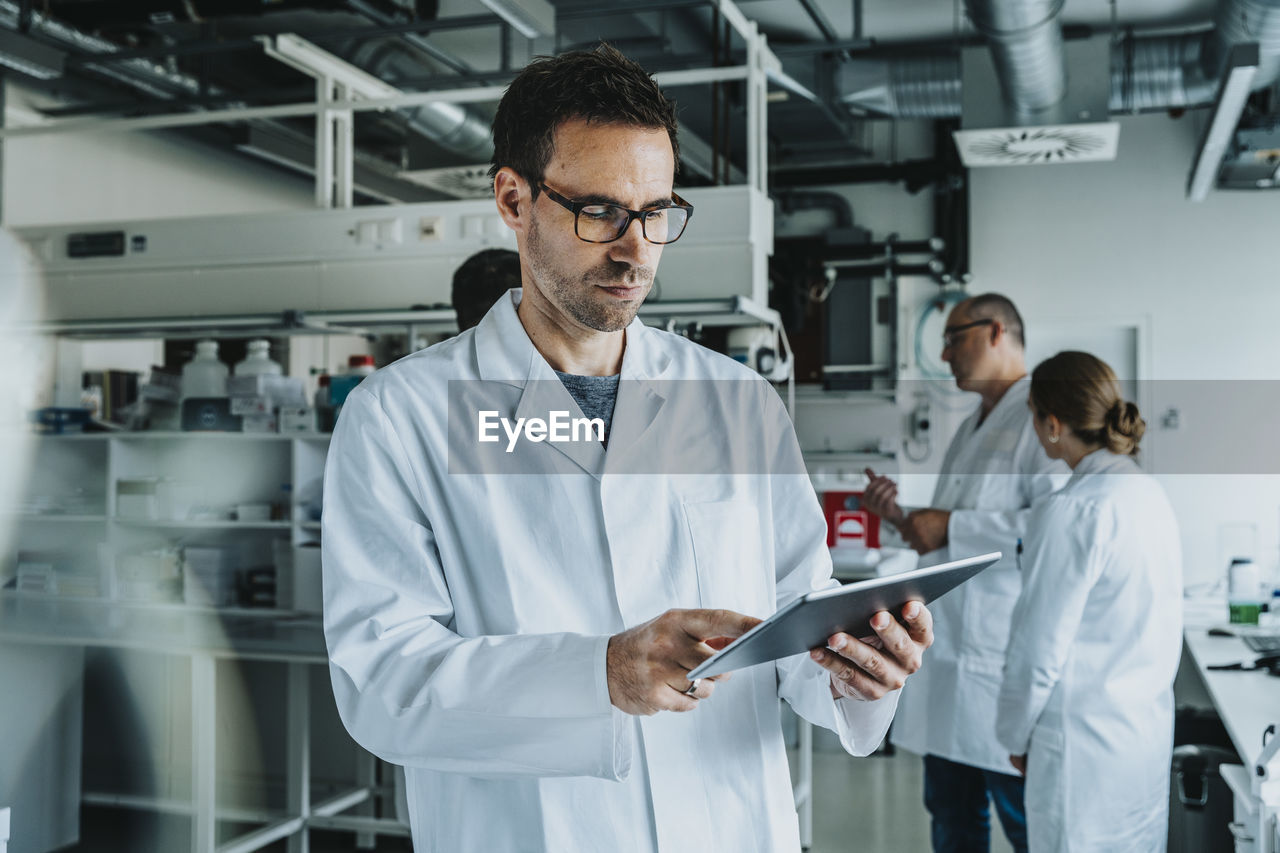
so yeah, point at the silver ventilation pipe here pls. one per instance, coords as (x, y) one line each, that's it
(1165, 72)
(925, 86)
(1149, 73)
(1025, 38)
(452, 126)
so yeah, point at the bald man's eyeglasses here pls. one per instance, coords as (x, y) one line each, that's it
(952, 333)
(598, 222)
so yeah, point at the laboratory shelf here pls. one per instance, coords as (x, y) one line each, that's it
(53, 518)
(202, 435)
(309, 525)
(204, 525)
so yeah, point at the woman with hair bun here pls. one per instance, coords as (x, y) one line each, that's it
(1086, 705)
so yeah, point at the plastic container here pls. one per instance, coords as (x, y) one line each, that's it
(258, 362)
(358, 367)
(322, 392)
(1244, 592)
(205, 375)
(848, 523)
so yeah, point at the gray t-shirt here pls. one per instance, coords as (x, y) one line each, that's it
(595, 395)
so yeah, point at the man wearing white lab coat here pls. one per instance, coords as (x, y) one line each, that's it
(513, 633)
(992, 472)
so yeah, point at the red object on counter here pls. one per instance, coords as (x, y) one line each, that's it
(847, 522)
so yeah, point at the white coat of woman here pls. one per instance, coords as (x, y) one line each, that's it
(1086, 704)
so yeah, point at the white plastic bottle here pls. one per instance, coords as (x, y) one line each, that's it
(258, 361)
(204, 375)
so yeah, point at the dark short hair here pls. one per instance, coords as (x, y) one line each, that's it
(480, 281)
(599, 85)
(994, 306)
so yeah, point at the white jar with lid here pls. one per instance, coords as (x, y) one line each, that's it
(1244, 591)
(204, 375)
(258, 362)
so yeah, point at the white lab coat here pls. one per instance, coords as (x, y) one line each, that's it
(991, 474)
(1088, 683)
(468, 615)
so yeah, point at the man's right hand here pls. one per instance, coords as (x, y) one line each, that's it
(648, 665)
(881, 497)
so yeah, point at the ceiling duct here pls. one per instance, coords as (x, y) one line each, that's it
(1025, 40)
(1074, 128)
(454, 127)
(922, 86)
(451, 126)
(1146, 73)
(1040, 119)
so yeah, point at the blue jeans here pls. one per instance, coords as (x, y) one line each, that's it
(956, 797)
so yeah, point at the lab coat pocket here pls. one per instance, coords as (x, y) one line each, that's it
(728, 556)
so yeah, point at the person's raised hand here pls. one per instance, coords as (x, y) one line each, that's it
(881, 497)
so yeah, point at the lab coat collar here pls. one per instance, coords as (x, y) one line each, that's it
(1103, 461)
(505, 354)
(1014, 396)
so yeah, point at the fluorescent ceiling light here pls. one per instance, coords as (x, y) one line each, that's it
(1237, 84)
(29, 56)
(317, 62)
(530, 18)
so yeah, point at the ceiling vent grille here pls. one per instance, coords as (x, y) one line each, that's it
(1073, 130)
(1030, 146)
(454, 181)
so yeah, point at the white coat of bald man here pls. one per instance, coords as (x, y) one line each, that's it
(993, 471)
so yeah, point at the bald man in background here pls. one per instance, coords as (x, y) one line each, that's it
(993, 470)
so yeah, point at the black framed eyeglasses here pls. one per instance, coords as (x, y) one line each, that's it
(599, 222)
(950, 333)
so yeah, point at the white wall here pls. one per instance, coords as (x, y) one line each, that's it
(1092, 242)
(1101, 245)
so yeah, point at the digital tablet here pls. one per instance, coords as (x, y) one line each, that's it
(807, 622)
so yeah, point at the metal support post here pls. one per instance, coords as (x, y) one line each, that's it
(344, 150)
(367, 778)
(298, 758)
(805, 806)
(324, 142)
(204, 776)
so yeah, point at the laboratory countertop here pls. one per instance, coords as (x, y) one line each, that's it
(1247, 701)
(264, 635)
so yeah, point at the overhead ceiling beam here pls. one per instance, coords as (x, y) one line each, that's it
(1233, 93)
(345, 34)
(819, 19)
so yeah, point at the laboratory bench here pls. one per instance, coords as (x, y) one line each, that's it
(1248, 703)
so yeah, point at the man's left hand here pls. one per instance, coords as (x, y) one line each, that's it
(873, 667)
(926, 529)
(1019, 762)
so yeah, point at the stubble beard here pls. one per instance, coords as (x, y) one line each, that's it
(578, 296)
